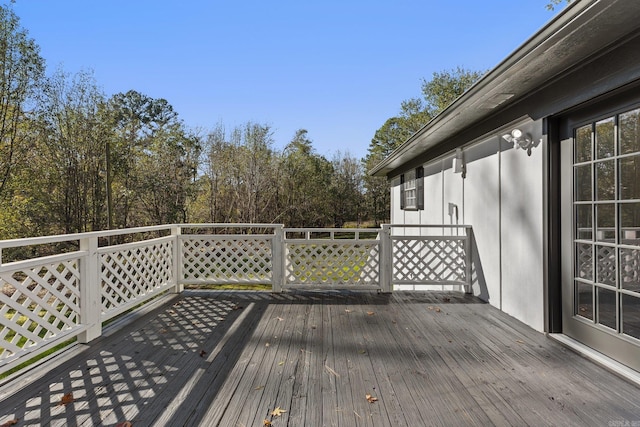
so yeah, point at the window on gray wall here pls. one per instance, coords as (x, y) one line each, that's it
(412, 189)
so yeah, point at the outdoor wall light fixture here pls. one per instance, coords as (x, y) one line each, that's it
(458, 163)
(520, 140)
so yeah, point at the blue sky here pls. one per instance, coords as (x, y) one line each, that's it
(338, 68)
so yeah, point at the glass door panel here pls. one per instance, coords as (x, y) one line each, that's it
(602, 289)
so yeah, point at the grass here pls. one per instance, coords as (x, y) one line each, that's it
(35, 359)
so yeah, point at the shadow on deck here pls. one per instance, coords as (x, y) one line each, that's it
(232, 358)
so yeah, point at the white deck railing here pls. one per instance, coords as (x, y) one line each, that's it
(47, 300)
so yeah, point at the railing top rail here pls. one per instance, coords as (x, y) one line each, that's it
(29, 241)
(328, 230)
(426, 226)
(229, 225)
(40, 240)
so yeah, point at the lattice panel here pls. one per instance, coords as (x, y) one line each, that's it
(584, 261)
(37, 304)
(129, 273)
(338, 263)
(630, 269)
(433, 260)
(229, 259)
(606, 266)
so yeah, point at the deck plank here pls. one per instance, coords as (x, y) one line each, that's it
(431, 358)
(302, 392)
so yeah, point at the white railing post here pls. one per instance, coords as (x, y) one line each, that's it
(468, 260)
(386, 259)
(176, 261)
(90, 292)
(278, 258)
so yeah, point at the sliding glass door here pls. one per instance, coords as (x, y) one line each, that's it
(601, 235)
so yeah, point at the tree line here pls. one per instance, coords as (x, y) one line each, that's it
(73, 159)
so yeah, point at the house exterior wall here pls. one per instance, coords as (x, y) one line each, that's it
(501, 197)
(482, 207)
(522, 234)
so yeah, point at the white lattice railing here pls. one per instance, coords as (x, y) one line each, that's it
(427, 255)
(39, 303)
(332, 258)
(47, 300)
(50, 299)
(223, 259)
(134, 271)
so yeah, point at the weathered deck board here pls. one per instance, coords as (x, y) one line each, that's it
(429, 358)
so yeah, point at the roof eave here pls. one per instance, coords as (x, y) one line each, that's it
(422, 141)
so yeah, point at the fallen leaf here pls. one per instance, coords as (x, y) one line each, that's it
(362, 351)
(124, 424)
(280, 319)
(267, 345)
(163, 331)
(278, 412)
(10, 423)
(347, 310)
(267, 423)
(371, 399)
(438, 310)
(202, 353)
(370, 313)
(331, 371)
(429, 308)
(237, 307)
(66, 399)
(281, 363)
(520, 341)
(260, 387)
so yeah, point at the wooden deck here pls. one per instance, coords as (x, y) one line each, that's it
(231, 359)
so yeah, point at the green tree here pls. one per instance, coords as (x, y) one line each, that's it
(240, 175)
(305, 182)
(165, 175)
(71, 140)
(257, 168)
(214, 185)
(551, 4)
(437, 94)
(445, 87)
(136, 120)
(346, 189)
(21, 71)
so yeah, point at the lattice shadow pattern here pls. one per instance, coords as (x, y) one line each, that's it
(119, 381)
